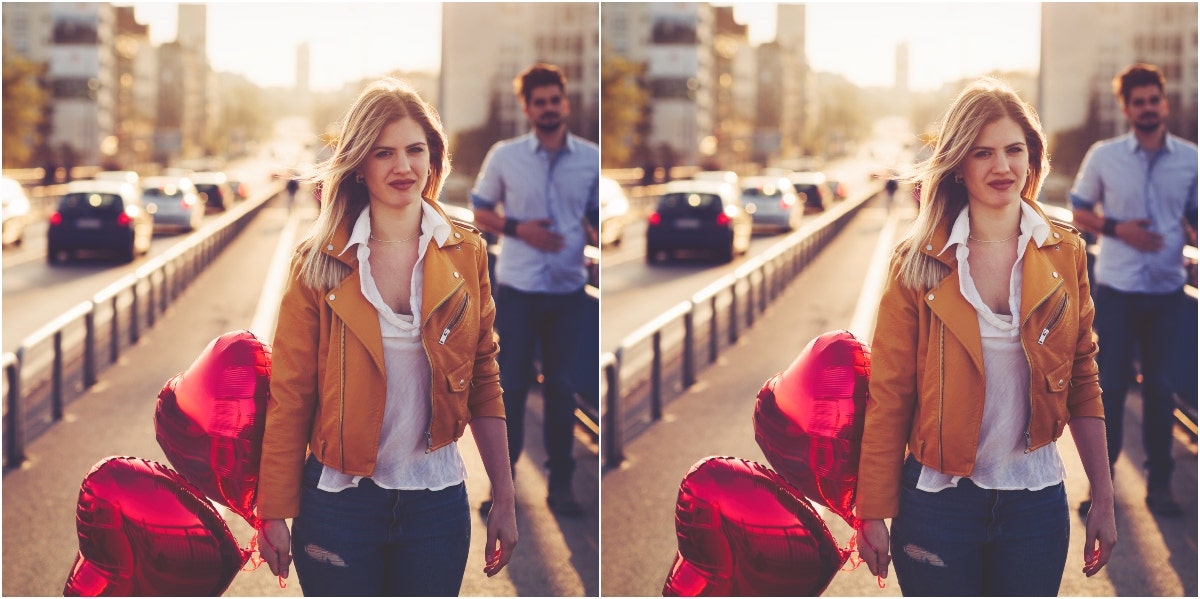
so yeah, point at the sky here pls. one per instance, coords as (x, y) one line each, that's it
(349, 41)
(946, 41)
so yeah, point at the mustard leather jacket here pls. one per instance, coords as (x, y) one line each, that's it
(328, 383)
(927, 378)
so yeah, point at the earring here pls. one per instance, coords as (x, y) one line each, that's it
(358, 178)
(958, 178)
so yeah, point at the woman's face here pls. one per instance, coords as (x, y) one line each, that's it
(996, 165)
(397, 166)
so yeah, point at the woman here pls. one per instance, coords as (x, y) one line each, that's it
(983, 352)
(383, 353)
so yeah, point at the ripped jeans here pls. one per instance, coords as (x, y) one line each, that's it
(974, 542)
(371, 541)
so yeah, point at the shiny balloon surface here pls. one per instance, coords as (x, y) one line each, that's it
(209, 420)
(743, 531)
(808, 420)
(144, 531)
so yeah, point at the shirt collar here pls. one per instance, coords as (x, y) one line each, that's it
(1131, 143)
(535, 146)
(433, 226)
(1033, 226)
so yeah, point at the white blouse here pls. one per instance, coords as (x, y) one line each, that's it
(1000, 459)
(401, 462)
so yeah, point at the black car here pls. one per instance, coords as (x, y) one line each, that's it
(214, 190)
(95, 215)
(813, 190)
(699, 215)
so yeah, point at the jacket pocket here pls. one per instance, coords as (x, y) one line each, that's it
(458, 379)
(1058, 379)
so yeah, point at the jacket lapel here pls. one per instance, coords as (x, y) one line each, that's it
(350, 305)
(948, 303)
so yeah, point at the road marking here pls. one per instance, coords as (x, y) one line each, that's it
(863, 323)
(263, 325)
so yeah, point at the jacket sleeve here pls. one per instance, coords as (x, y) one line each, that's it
(891, 399)
(1084, 397)
(486, 398)
(292, 405)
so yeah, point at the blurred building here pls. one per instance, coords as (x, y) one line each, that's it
(1084, 45)
(797, 112)
(199, 104)
(733, 90)
(135, 82)
(486, 45)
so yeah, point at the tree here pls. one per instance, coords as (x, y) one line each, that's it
(470, 146)
(25, 103)
(623, 102)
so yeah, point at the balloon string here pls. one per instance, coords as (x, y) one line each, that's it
(257, 559)
(856, 559)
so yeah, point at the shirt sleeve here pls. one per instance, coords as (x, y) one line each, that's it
(1189, 208)
(489, 186)
(593, 205)
(1089, 188)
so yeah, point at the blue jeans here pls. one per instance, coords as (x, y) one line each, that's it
(523, 320)
(1151, 322)
(973, 542)
(371, 541)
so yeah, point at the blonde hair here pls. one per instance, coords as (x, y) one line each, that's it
(942, 199)
(382, 103)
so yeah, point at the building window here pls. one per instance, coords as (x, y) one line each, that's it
(75, 32)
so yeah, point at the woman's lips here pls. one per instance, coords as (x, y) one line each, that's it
(1001, 185)
(402, 185)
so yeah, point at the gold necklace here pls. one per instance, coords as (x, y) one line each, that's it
(405, 240)
(1015, 235)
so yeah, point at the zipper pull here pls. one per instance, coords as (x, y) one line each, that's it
(429, 441)
(1028, 442)
(1042, 337)
(442, 339)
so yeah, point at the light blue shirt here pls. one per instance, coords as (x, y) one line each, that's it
(1131, 183)
(533, 184)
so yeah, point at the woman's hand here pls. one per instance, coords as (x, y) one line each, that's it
(275, 546)
(502, 531)
(1101, 527)
(873, 543)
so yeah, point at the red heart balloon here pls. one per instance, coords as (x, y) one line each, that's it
(144, 531)
(743, 531)
(209, 420)
(808, 420)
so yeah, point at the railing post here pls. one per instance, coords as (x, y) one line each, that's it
(56, 399)
(150, 307)
(614, 450)
(134, 333)
(749, 299)
(763, 284)
(733, 313)
(714, 344)
(114, 342)
(89, 348)
(14, 438)
(689, 347)
(656, 377)
(162, 290)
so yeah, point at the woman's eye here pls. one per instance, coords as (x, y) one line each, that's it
(1016, 150)
(416, 150)
(982, 154)
(383, 154)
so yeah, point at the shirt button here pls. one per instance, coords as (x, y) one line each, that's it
(332, 296)
(931, 297)
(928, 248)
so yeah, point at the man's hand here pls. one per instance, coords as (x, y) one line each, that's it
(275, 546)
(1137, 233)
(537, 233)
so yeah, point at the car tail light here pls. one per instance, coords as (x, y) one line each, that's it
(123, 220)
(655, 219)
(786, 202)
(723, 219)
(186, 202)
(55, 219)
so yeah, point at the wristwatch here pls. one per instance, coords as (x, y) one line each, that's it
(1110, 227)
(510, 226)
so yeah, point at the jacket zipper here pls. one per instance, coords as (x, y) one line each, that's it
(1058, 313)
(1029, 421)
(942, 397)
(462, 309)
(342, 403)
(429, 429)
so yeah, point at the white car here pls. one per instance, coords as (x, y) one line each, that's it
(16, 211)
(614, 212)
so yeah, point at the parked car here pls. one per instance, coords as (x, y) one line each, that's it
(240, 190)
(812, 190)
(17, 214)
(99, 215)
(772, 203)
(174, 202)
(699, 215)
(837, 188)
(214, 190)
(614, 212)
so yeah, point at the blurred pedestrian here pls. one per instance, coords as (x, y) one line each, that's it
(983, 352)
(383, 354)
(546, 183)
(889, 189)
(1144, 182)
(292, 187)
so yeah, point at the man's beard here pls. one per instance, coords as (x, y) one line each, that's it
(1148, 126)
(549, 125)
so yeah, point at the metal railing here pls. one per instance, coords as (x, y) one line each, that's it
(63, 359)
(666, 353)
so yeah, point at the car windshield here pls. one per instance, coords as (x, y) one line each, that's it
(769, 192)
(808, 189)
(91, 202)
(153, 193)
(690, 202)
